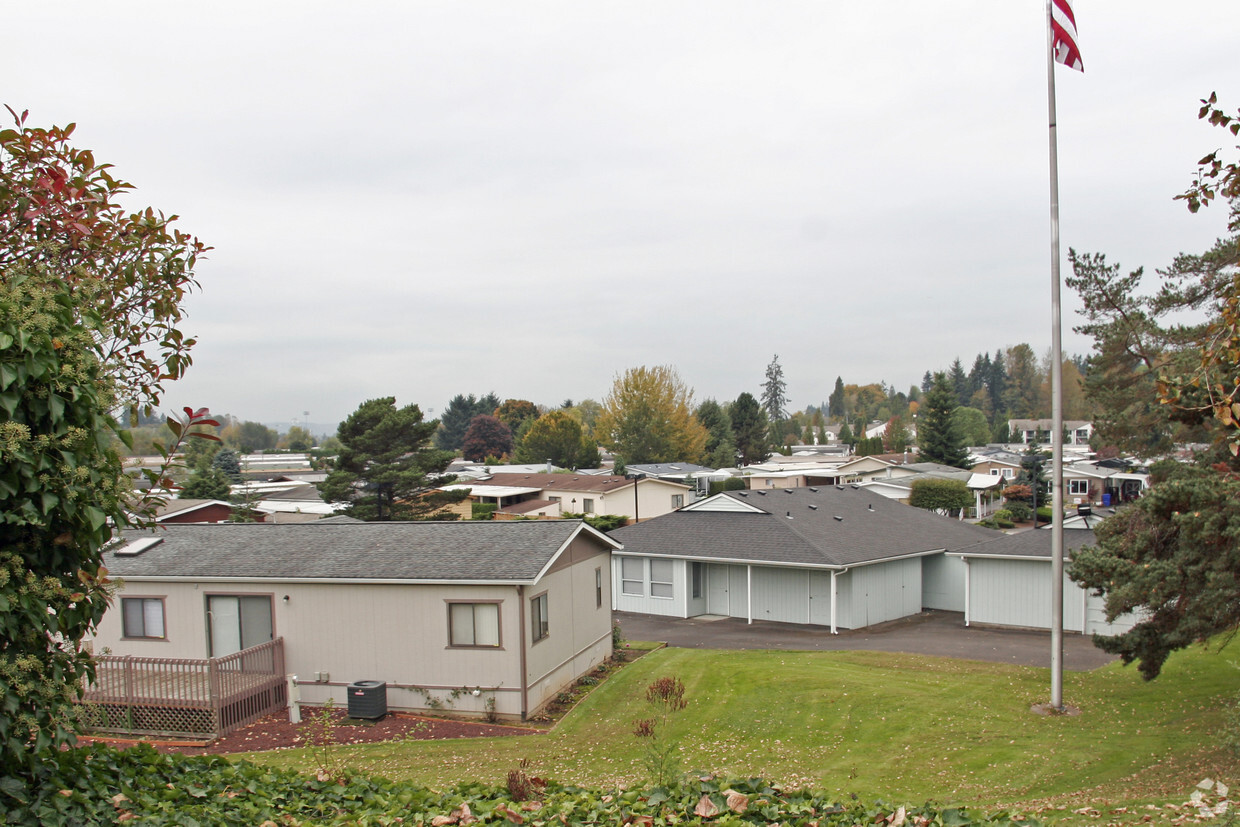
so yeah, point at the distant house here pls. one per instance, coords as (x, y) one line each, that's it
(836, 556)
(552, 495)
(1007, 583)
(514, 610)
(1038, 431)
(194, 511)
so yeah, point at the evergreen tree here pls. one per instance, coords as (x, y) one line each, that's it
(228, 464)
(774, 392)
(846, 435)
(749, 429)
(386, 468)
(206, 482)
(896, 438)
(927, 382)
(937, 440)
(836, 409)
(456, 417)
(959, 382)
(996, 386)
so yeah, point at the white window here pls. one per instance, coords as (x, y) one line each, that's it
(473, 624)
(238, 621)
(538, 617)
(661, 578)
(633, 576)
(1078, 487)
(678, 501)
(587, 505)
(143, 617)
(1009, 473)
(699, 574)
(994, 472)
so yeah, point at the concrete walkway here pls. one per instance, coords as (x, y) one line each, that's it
(929, 633)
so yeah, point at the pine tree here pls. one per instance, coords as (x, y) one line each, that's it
(836, 408)
(937, 440)
(774, 392)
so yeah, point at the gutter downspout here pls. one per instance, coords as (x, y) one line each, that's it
(749, 592)
(525, 678)
(835, 600)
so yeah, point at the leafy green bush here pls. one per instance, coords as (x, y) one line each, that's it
(482, 511)
(100, 785)
(730, 484)
(1045, 514)
(1003, 515)
(1018, 511)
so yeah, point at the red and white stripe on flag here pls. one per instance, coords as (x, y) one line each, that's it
(1063, 25)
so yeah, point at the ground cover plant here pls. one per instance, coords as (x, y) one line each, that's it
(884, 726)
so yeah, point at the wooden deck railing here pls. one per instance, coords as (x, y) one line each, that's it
(188, 697)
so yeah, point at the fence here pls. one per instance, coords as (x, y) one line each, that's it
(187, 697)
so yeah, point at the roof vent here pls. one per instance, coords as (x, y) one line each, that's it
(838, 518)
(812, 488)
(788, 514)
(870, 507)
(854, 486)
(839, 487)
(742, 493)
(136, 547)
(787, 490)
(763, 493)
(813, 507)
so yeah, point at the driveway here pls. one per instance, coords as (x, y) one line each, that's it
(929, 633)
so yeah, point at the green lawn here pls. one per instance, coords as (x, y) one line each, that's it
(895, 727)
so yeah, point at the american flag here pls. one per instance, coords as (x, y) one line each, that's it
(1063, 25)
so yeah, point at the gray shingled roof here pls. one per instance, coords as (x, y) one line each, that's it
(1033, 543)
(790, 532)
(500, 552)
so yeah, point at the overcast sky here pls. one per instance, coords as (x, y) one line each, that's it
(420, 199)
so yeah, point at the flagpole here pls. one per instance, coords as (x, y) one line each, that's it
(1056, 392)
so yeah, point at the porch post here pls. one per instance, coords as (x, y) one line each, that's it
(749, 591)
(965, 560)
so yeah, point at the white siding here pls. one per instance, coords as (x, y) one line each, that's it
(645, 603)
(781, 594)
(1018, 593)
(820, 598)
(942, 583)
(738, 591)
(881, 592)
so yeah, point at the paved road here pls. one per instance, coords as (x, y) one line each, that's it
(929, 633)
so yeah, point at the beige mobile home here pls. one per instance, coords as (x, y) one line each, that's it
(473, 616)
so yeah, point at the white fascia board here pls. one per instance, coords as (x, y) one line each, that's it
(354, 581)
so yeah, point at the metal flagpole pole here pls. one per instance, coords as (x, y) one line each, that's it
(1056, 392)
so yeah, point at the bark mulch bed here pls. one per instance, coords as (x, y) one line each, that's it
(277, 732)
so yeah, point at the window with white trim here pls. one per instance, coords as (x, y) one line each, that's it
(678, 501)
(473, 624)
(587, 505)
(1080, 487)
(538, 617)
(633, 576)
(661, 574)
(143, 617)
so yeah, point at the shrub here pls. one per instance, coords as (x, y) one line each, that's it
(1003, 515)
(482, 511)
(730, 484)
(1018, 511)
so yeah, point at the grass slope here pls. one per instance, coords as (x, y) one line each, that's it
(886, 726)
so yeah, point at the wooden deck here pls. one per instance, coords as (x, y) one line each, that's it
(187, 697)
